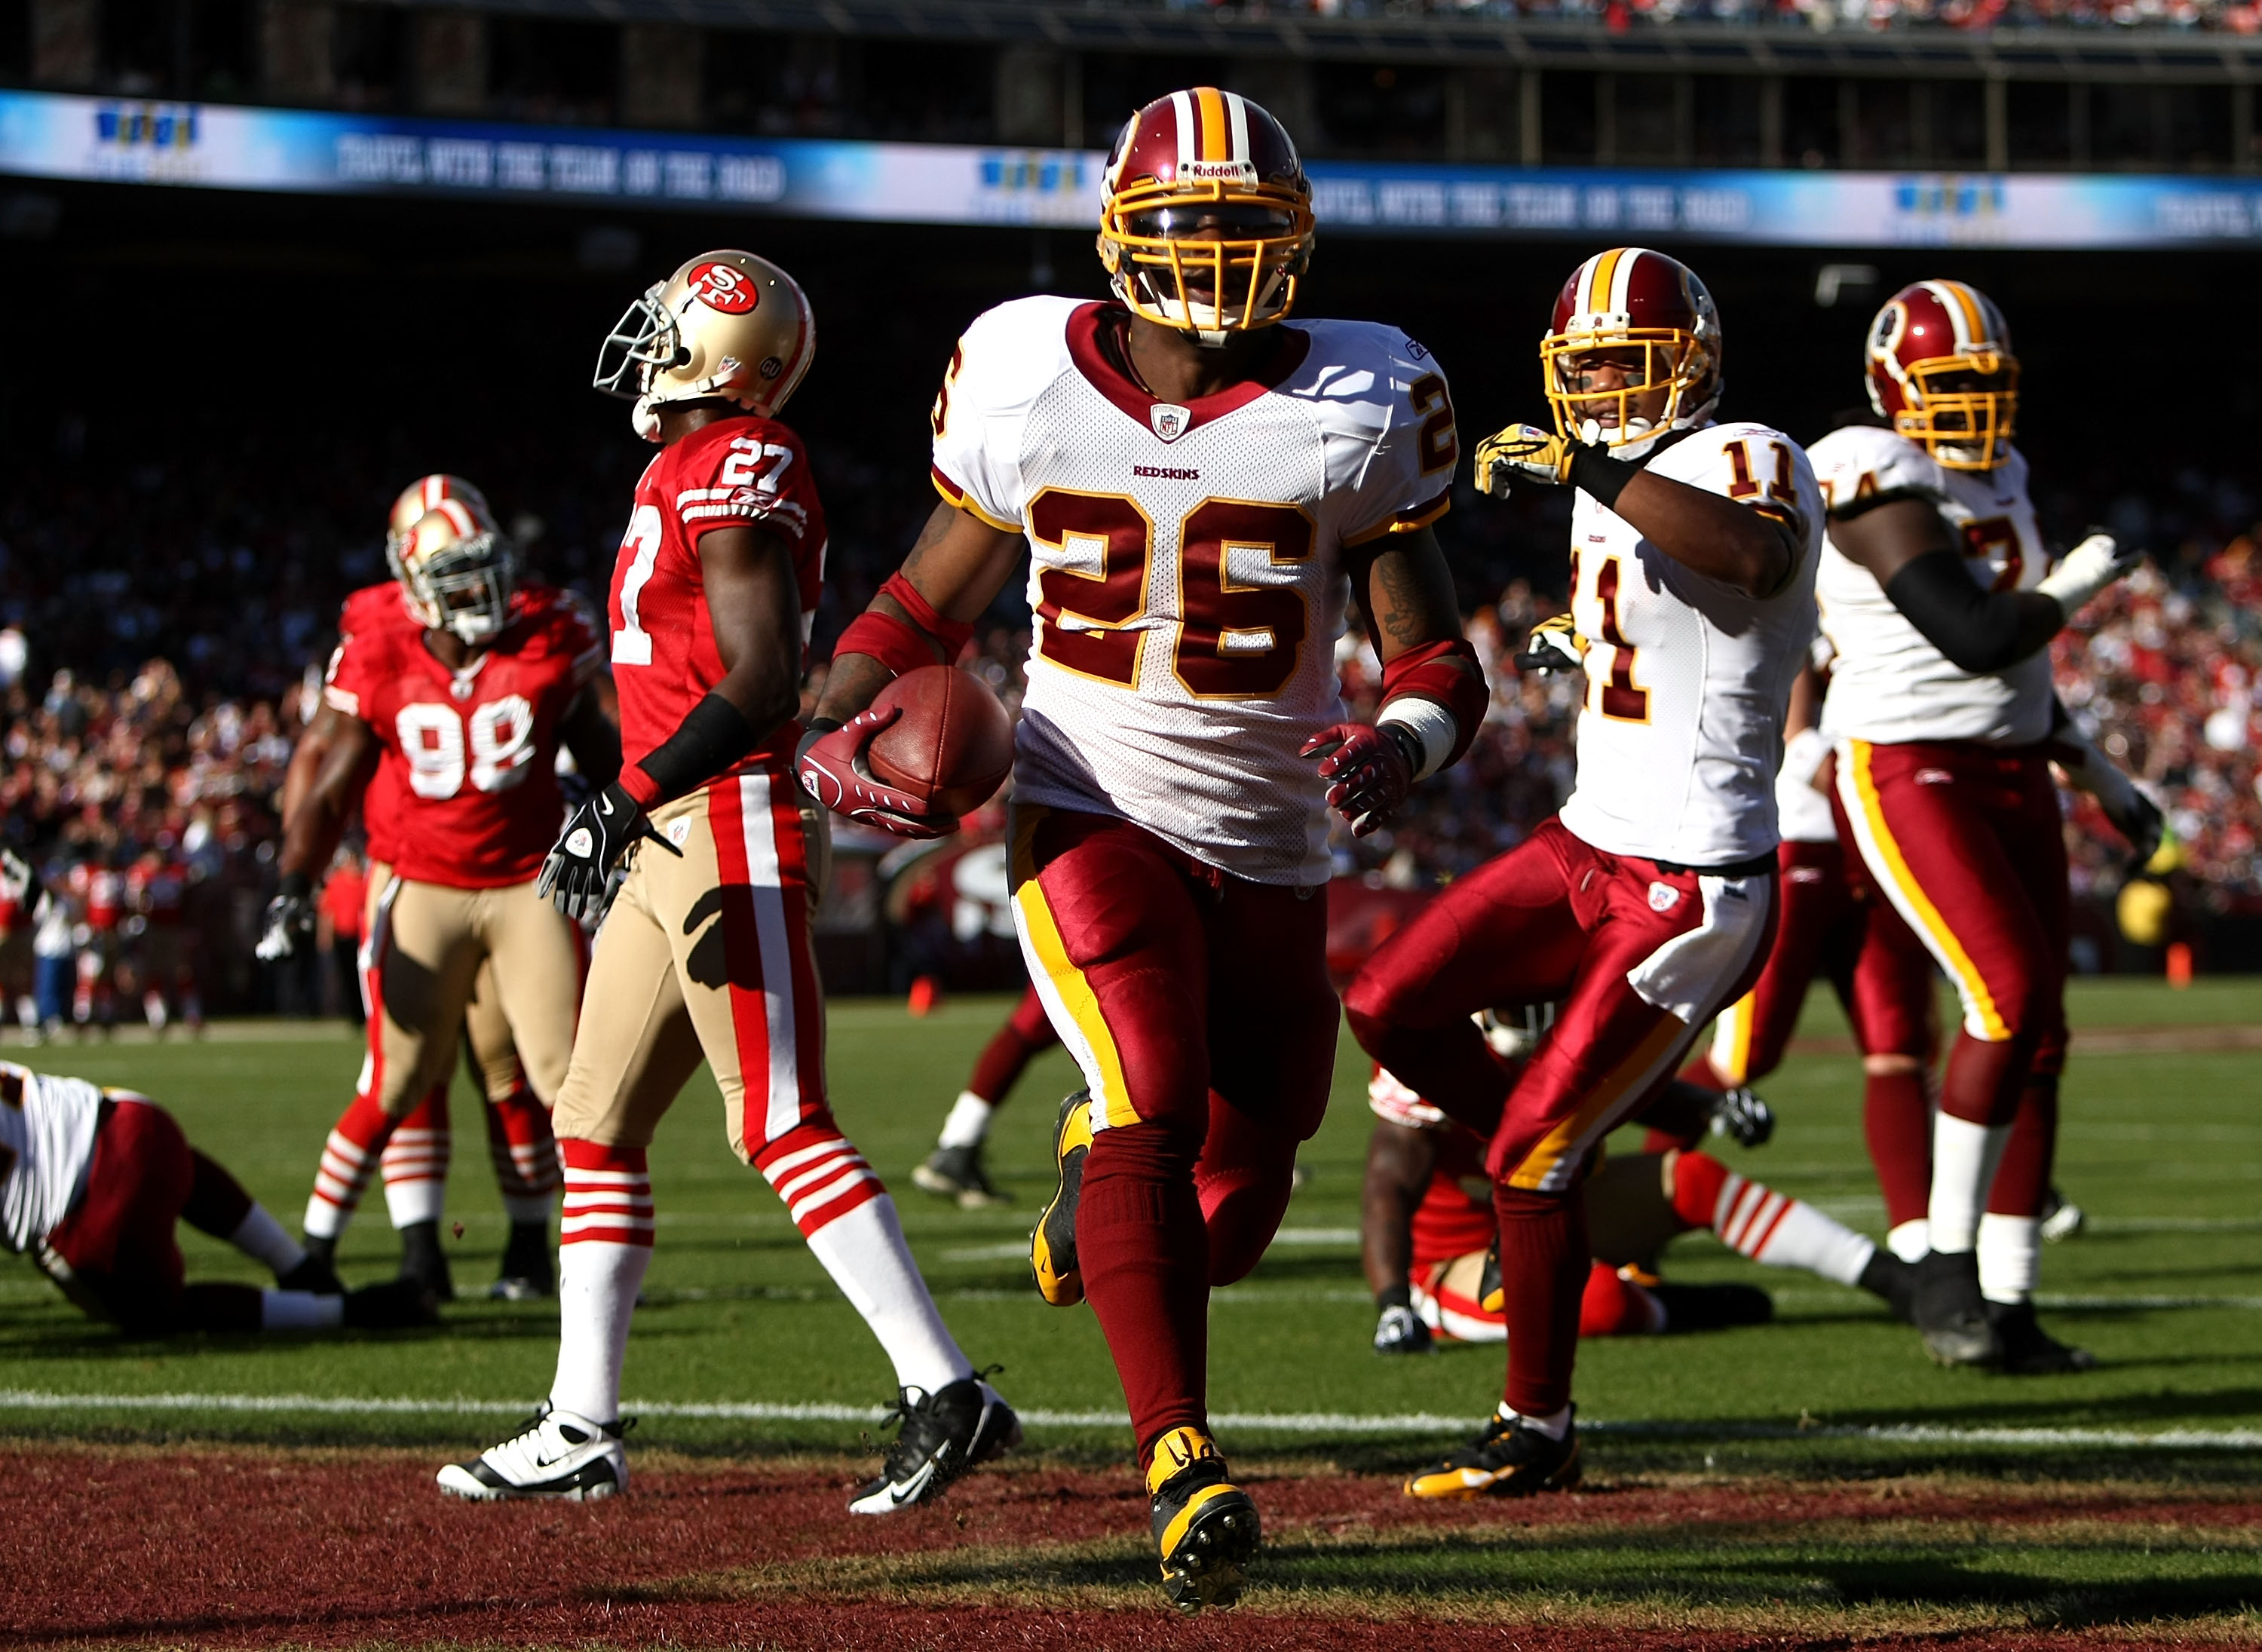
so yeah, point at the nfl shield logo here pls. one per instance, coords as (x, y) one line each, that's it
(1664, 898)
(1169, 419)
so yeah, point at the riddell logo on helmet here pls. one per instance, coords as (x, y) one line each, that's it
(1232, 171)
(725, 287)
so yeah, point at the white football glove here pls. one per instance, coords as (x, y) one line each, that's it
(2089, 568)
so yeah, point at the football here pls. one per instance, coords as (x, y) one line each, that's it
(954, 744)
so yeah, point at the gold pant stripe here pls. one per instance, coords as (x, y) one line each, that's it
(1062, 985)
(1892, 867)
(1731, 1039)
(1616, 1087)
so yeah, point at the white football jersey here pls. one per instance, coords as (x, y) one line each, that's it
(1187, 571)
(1889, 684)
(46, 1145)
(1801, 811)
(1687, 678)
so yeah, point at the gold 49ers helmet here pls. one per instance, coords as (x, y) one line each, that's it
(421, 495)
(1206, 225)
(1631, 300)
(728, 327)
(457, 570)
(1941, 368)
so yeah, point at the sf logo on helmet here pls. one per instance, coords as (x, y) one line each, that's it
(725, 287)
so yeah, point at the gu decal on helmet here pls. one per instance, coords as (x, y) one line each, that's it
(422, 495)
(720, 286)
(696, 336)
(1649, 318)
(1939, 365)
(1205, 224)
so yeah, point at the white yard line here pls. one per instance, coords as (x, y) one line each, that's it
(1274, 1422)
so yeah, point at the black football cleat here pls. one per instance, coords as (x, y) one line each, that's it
(1052, 1247)
(2027, 1349)
(316, 1273)
(422, 1258)
(956, 1173)
(1205, 1527)
(1894, 1281)
(1510, 1459)
(395, 1305)
(944, 1434)
(1711, 1307)
(530, 1267)
(1949, 1311)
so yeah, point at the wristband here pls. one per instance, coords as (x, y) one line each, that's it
(895, 643)
(295, 886)
(1595, 473)
(713, 736)
(953, 634)
(1425, 731)
(1447, 674)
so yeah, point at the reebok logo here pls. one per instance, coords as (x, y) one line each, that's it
(1166, 472)
(1934, 777)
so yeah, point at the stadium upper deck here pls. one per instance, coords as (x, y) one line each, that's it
(2156, 85)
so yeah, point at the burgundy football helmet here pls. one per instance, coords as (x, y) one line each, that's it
(1940, 367)
(1206, 225)
(1632, 298)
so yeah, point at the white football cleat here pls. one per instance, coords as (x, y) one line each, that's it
(558, 1455)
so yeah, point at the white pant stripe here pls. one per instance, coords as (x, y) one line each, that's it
(783, 1103)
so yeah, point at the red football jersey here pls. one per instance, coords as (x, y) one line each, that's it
(723, 475)
(474, 752)
(376, 608)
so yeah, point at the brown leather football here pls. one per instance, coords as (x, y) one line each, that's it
(954, 744)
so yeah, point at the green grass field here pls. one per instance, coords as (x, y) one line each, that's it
(2161, 1146)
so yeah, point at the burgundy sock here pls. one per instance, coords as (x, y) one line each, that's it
(1144, 1256)
(217, 1203)
(1000, 1066)
(1543, 1263)
(2022, 1180)
(1897, 1119)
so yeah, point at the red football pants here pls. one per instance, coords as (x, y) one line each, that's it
(1197, 1006)
(1964, 841)
(1638, 959)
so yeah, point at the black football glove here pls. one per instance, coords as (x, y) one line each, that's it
(290, 917)
(596, 835)
(1741, 1114)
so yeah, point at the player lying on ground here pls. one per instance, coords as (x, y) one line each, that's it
(1647, 906)
(91, 1183)
(705, 950)
(1206, 485)
(451, 691)
(1429, 1234)
(953, 1170)
(1940, 599)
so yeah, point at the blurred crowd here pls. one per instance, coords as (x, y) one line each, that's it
(2231, 15)
(160, 642)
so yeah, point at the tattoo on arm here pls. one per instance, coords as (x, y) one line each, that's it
(935, 530)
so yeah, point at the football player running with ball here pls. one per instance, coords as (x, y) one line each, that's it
(1206, 483)
(1940, 598)
(1647, 906)
(706, 950)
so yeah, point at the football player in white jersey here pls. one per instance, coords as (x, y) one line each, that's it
(1646, 906)
(1206, 484)
(1940, 599)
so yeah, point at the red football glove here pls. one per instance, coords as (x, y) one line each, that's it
(1372, 769)
(833, 771)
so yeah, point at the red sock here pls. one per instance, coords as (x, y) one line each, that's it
(1144, 1255)
(348, 1158)
(217, 1202)
(1616, 1307)
(999, 1067)
(525, 1155)
(818, 1173)
(1544, 1264)
(1697, 1182)
(2022, 1180)
(415, 1161)
(1704, 1076)
(1897, 1118)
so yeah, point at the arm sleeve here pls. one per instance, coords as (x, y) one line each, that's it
(1407, 481)
(1978, 631)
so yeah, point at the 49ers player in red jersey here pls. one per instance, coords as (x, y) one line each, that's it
(1646, 906)
(415, 1158)
(1207, 484)
(458, 707)
(706, 947)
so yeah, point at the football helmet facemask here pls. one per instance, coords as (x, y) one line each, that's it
(728, 326)
(1207, 221)
(1939, 365)
(458, 571)
(1631, 299)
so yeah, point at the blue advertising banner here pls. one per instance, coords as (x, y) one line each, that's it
(125, 140)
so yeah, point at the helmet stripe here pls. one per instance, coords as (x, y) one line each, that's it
(1214, 139)
(1181, 110)
(1603, 294)
(1236, 108)
(1974, 328)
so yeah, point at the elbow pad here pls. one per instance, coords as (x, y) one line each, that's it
(1978, 631)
